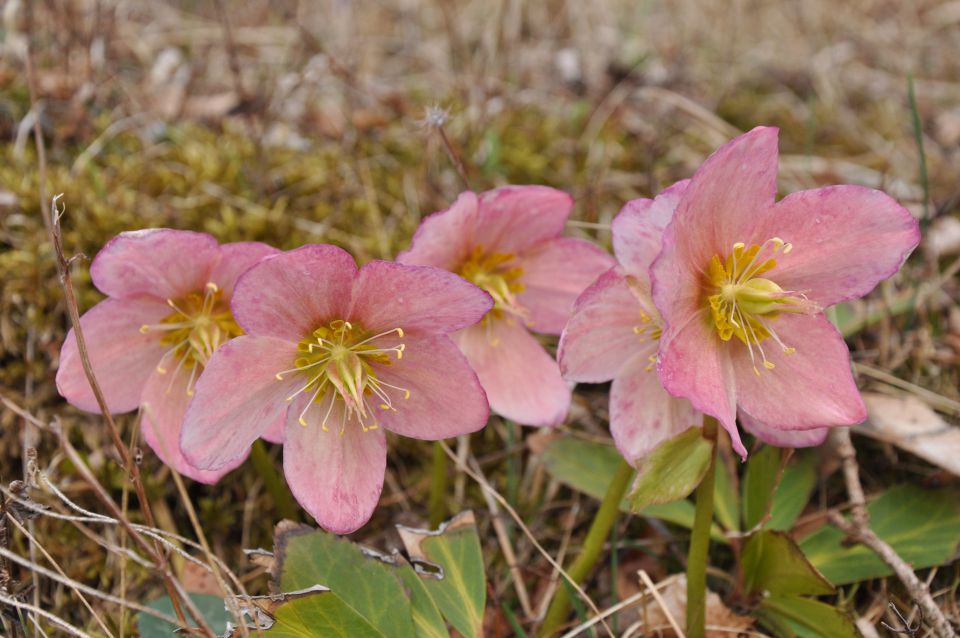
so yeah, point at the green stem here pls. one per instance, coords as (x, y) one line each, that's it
(267, 470)
(700, 542)
(592, 548)
(438, 486)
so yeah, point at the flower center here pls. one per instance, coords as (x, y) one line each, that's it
(336, 360)
(497, 274)
(200, 323)
(743, 304)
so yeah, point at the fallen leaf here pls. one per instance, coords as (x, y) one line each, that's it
(912, 425)
(721, 621)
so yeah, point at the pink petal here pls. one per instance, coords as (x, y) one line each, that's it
(292, 294)
(522, 381)
(845, 240)
(638, 229)
(159, 262)
(599, 338)
(422, 299)
(444, 239)
(165, 402)
(237, 399)
(123, 358)
(783, 438)
(274, 433)
(337, 476)
(514, 218)
(642, 414)
(235, 259)
(813, 387)
(728, 196)
(555, 272)
(694, 366)
(446, 399)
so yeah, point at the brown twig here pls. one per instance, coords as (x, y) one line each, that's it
(858, 529)
(126, 461)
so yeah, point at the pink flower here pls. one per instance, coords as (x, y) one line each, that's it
(341, 354)
(167, 310)
(741, 284)
(615, 331)
(507, 241)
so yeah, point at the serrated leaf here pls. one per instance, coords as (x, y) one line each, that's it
(588, 467)
(726, 500)
(212, 609)
(325, 614)
(427, 619)
(759, 482)
(773, 563)
(922, 526)
(461, 592)
(794, 491)
(810, 618)
(364, 582)
(673, 470)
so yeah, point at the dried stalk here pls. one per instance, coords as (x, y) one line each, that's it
(858, 529)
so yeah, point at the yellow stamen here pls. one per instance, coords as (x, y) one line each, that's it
(498, 274)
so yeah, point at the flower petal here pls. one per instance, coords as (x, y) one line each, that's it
(159, 262)
(599, 338)
(783, 438)
(291, 294)
(422, 299)
(522, 381)
(445, 399)
(444, 239)
(237, 399)
(274, 433)
(642, 414)
(513, 218)
(123, 358)
(165, 402)
(813, 387)
(638, 229)
(727, 198)
(555, 272)
(337, 476)
(237, 258)
(845, 240)
(692, 365)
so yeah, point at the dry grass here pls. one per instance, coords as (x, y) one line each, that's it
(294, 122)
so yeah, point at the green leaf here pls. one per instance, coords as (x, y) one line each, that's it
(759, 482)
(726, 500)
(460, 592)
(366, 583)
(324, 614)
(922, 526)
(773, 563)
(794, 491)
(673, 470)
(809, 618)
(588, 467)
(210, 607)
(426, 617)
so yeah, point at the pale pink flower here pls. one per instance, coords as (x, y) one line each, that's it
(741, 284)
(167, 310)
(342, 355)
(615, 330)
(508, 241)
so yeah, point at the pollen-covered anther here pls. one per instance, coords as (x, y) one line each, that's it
(744, 304)
(339, 363)
(497, 274)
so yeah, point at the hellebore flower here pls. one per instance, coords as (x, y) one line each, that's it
(167, 311)
(507, 241)
(341, 354)
(615, 331)
(741, 284)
